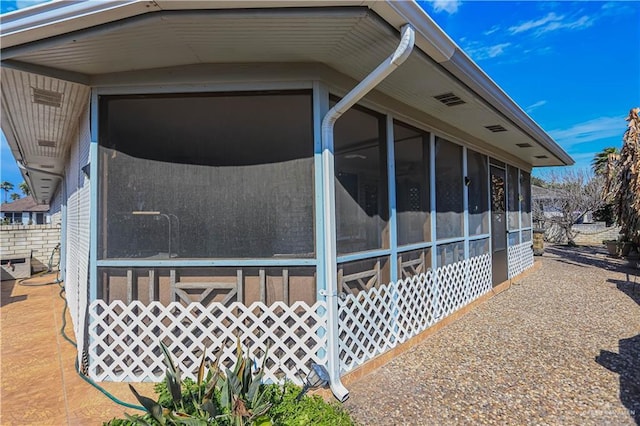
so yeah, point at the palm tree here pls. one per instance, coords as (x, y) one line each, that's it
(14, 196)
(602, 159)
(626, 181)
(6, 187)
(24, 187)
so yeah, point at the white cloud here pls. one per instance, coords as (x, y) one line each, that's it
(578, 24)
(535, 105)
(449, 6)
(492, 30)
(552, 22)
(589, 131)
(479, 52)
(528, 25)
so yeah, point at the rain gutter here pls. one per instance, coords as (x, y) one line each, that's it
(438, 45)
(401, 53)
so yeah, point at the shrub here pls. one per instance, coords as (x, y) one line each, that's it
(230, 397)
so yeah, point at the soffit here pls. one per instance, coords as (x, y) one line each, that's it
(40, 135)
(350, 40)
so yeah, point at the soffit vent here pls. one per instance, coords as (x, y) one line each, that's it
(541, 156)
(524, 145)
(48, 144)
(496, 128)
(47, 166)
(449, 99)
(47, 97)
(46, 179)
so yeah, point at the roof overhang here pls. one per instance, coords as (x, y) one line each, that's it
(69, 47)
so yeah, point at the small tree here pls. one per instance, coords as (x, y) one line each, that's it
(24, 188)
(623, 185)
(6, 187)
(15, 196)
(568, 196)
(600, 161)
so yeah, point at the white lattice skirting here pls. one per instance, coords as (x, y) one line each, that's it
(124, 339)
(519, 258)
(375, 321)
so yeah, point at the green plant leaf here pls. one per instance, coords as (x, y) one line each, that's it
(246, 376)
(234, 383)
(210, 408)
(262, 421)
(225, 394)
(150, 405)
(239, 358)
(136, 420)
(168, 361)
(187, 420)
(201, 368)
(173, 384)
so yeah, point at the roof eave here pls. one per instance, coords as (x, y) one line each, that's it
(60, 17)
(439, 46)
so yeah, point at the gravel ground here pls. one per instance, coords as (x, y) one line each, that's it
(560, 347)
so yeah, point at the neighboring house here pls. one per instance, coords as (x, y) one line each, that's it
(25, 211)
(548, 204)
(206, 193)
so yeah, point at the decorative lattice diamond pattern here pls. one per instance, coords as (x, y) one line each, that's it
(124, 343)
(520, 258)
(374, 321)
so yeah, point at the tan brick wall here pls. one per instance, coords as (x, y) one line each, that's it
(594, 234)
(39, 240)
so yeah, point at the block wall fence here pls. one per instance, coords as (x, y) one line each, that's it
(39, 240)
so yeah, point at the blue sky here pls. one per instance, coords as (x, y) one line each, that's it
(574, 67)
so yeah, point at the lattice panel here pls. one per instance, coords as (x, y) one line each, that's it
(124, 339)
(520, 258)
(366, 324)
(372, 322)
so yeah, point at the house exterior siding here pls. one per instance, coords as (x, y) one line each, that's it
(77, 229)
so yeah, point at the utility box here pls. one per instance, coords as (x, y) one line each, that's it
(16, 266)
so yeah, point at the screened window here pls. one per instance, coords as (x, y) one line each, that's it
(411, 263)
(362, 211)
(207, 176)
(412, 184)
(450, 253)
(478, 247)
(513, 197)
(363, 275)
(478, 189)
(525, 192)
(514, 238)
(449, 193)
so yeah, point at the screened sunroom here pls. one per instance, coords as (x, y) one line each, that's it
(266, 174)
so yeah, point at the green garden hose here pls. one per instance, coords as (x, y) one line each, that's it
(84, 377)
(61, 294)
(49, 269)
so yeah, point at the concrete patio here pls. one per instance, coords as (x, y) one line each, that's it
(39, 383)
(561, 346)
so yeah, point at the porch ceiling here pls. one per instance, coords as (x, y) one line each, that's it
(351, 40)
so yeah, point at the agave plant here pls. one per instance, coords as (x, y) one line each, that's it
(235, 397)
(241, 393)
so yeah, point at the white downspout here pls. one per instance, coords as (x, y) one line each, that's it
(63, 257)
(401, 53)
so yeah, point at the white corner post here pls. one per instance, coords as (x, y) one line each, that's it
(401, 53)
